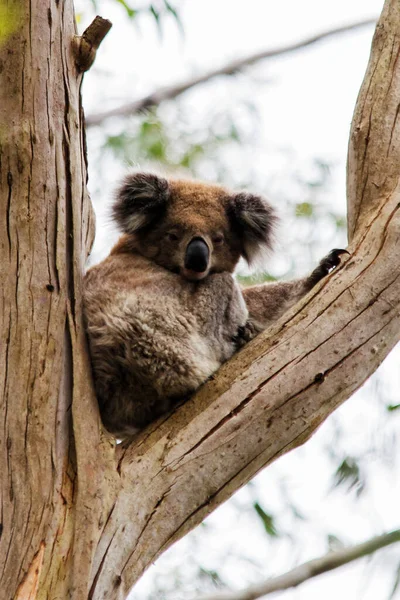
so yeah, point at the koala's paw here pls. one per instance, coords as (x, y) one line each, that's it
(332, 260)
(245, 334)
(327, 264)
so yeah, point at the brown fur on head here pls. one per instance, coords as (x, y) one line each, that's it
(162, 219)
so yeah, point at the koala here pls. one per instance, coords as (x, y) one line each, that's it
(163, 311)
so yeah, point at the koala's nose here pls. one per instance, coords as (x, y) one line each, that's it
(197, 255)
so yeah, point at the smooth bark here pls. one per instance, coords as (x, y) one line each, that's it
(81, 518)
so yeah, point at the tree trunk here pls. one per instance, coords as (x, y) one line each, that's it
(53, 460)
(81, 518)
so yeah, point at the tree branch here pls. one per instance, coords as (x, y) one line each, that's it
(310, 569)
(88, 43)
(268, 399)
(81, 519)
(232, 67)
(374, 147)
(261, 404)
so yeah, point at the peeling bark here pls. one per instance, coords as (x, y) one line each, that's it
(80, 518)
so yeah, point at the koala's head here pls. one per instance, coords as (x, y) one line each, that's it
(192, 228)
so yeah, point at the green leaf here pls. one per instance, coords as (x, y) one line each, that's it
(234, 133)
(129, 11)
(190, 156)
(156, 150)
(341, 222)
(175, 14)
(212, 575)
(304, 209)
(156, 14)
(392, 407)
(348, 473)
(116, 142)
(267, 520)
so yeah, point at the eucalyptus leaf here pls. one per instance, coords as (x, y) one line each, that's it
(129, 11)
(349, 474)
(267, 520)
(304, 209)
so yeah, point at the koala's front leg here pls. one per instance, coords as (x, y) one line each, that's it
(221, 313)
(326, 265)
(247, 332)
(268, 302)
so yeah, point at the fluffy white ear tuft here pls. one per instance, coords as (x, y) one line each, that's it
(254, 220)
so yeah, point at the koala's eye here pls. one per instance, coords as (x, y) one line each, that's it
(218, 239)
(172, 237)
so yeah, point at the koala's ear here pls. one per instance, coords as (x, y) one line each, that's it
(253, 219)
(141, 199)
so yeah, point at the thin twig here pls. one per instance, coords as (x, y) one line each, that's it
(310, 569)
(170, 92)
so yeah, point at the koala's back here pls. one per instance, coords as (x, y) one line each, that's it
(154, 338)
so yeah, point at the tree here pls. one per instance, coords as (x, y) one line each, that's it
(80, 516)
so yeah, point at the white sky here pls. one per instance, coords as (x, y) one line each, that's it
(306, 107)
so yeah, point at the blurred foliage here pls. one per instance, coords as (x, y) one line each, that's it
(255, 278)
(349, 474)
(304, 209)
(158, 9)
(168, 143)
(211, 575)
(334, 543)
(131, 12)
(266, 519)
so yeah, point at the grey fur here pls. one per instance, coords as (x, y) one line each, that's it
(156, 331)
(155, 344)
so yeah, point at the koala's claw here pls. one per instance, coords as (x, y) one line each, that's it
(332, 260)
(327, 264)
(245, 334)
